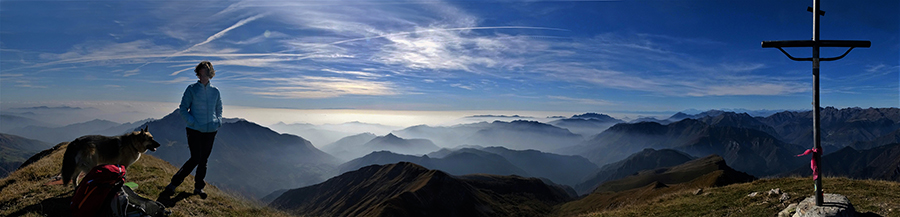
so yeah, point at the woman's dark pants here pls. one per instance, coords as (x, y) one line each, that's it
(201, 145)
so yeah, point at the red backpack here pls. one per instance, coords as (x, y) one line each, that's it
(95, 190)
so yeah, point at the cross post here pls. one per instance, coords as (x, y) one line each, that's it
(815, 43)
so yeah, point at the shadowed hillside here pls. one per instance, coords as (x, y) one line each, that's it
(644, 160)
(840, 127)
(561, 169)
(14, 150)
(890, 138)
(643, 187)
(247, 157)
(748, 150)
(24, 192)
(881, 163)
(456, 163)
(407, 189)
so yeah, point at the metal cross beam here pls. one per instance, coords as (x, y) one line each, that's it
(815, 43)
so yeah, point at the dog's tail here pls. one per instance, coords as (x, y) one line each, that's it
(69, 164)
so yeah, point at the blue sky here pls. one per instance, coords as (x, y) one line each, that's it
(577, 56)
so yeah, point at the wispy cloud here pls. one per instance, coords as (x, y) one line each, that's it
(356, 73)
(322, 87)
(342, 48)
(173, 81)
(467, 87)
(211, 38)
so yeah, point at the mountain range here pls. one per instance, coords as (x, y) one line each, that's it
(457, 163)
(407, 189)
(748, 150)
(70, 132)
(246, 157)
(587, 124)
(359, 145)
(893, 137)
(393, 190)
(840, 127)
(14, 150)
(349, 147)
(254, 160)
(321, 135)
(11, 122)
(559, 169)
(519, 134)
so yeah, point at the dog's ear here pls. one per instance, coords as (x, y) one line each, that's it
(146, 129)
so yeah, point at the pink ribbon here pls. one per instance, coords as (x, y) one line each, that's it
(812, 163)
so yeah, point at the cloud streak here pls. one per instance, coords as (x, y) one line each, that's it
(315, 87)
(210, 38)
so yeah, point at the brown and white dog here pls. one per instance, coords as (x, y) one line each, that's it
(86, 152)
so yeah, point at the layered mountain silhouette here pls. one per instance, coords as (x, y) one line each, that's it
(14, 150)
(361, 144)
(523, 135)
(349, 147)
(247, 157)
(391, 142)
(882, 162)
(321, 135)
(749, 150)
(66, 133)
(647, 159)
(520, 135)
(407, 189)
(680, 116)
(890, 138)
(450, 136)
(713, 170)
(561, 169)
(11, 122)
(738, 120)
(840, 127)
(646, 185)
(587, 124)
(457, 163)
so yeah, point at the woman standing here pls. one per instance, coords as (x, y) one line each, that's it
(201, 109)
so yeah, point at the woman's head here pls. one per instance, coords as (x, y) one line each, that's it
(207, 66)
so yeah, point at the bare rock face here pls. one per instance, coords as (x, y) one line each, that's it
(835, 205)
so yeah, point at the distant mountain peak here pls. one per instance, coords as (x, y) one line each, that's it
(391, 136)
(598, 116)
(404, 189)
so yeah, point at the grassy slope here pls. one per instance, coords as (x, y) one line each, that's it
(867, 196)
(23, 193)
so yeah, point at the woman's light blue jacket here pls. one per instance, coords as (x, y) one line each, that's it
(201, 107)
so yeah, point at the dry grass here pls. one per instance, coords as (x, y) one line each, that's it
(24, 193)
(870, 197)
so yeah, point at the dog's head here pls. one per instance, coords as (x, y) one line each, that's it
(143, 140)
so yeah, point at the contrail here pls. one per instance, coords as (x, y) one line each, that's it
(210, 39)
(449, 29)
